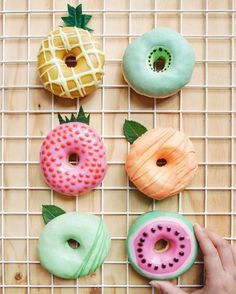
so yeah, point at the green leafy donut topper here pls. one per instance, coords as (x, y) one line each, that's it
(76, 18)
(81, 117)
(133, 130)
(49, 212)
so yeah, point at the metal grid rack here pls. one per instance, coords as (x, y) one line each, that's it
(179, 9)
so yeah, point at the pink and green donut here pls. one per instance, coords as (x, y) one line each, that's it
(159, 227)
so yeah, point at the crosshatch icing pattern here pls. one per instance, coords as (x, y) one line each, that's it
(204, 109)
(70, 82)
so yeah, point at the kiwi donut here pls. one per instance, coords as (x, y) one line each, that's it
(159, 63)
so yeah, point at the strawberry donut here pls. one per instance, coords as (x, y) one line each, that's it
(73, 137)
(161, 245)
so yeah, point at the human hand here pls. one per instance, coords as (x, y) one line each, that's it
(220, 266)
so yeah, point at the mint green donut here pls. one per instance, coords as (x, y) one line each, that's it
(57, 257)
(159, 63)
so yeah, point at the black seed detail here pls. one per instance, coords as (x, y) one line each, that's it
(153, 230)
(160, 227)
(149, 264)
(155, 268)
(145, 234)
(140, 256)
(170, 264)
(140, 244)
(176, 233)
(143, 260)
(139, 249)
(160, 49)
(163, 265)
(181, 253)
(181, 238)
(176, 260)
(141, 240)
(168, 229)
(182, 246)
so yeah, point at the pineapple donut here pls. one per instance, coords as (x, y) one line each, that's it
(161, 161)
(70, 59)
(73, 157)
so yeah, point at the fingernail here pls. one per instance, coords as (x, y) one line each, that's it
(155, 284)
(196, 225)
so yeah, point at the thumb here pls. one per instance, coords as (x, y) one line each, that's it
(166, 287)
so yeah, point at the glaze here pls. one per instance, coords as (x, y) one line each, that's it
(158, 63)
(178, 256)
(55, 253)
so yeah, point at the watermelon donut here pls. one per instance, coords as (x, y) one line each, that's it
(73, 137)
(175, 258)
(159, 63)
(59, 258)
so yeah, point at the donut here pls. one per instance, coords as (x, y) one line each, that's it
(80, 140)
(63, 261)
(159, 63)
(161, 162)
(70, 59)
(171, 230)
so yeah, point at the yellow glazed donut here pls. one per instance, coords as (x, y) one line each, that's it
(162, 162)
(70, 59)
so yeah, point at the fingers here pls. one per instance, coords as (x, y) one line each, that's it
(233, 248)
(166, 287)
(212, 260)
(224, 250)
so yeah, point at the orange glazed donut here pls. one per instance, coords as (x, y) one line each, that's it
(162, 162)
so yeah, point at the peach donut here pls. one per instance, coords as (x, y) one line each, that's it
(162, 162)
(73, 137)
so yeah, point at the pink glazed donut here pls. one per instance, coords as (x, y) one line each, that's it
(79, 139)
(173, 230)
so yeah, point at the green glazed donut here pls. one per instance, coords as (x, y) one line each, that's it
(159, 63)
(60, 259)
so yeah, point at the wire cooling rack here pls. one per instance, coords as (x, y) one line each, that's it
(204, 109)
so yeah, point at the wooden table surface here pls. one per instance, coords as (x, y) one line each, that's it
(204, 109)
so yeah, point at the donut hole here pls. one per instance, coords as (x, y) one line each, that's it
(70, 60)
(161, 245)
(159, 59)
(73, 244)
(73, 159)
(159, 64)
(161, 162)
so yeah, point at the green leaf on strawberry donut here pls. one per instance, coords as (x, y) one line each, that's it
(49, 212)
(132, 130)
(76, 18)
(81, 117)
